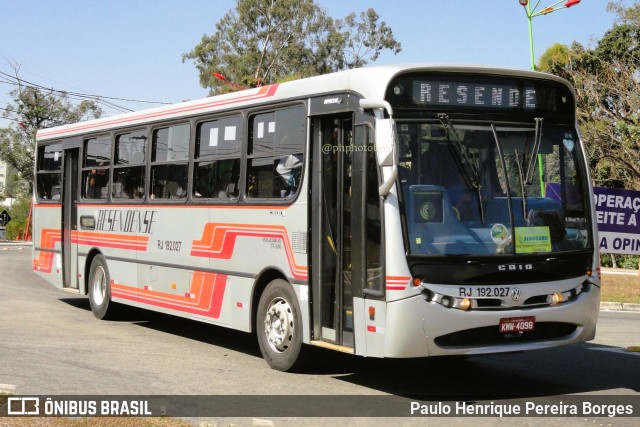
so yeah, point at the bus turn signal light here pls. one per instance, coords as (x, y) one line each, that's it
(416, 281)
(465, 305)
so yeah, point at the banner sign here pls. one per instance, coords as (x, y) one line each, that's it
(618, 216)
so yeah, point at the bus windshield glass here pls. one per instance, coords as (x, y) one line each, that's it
(487, 189)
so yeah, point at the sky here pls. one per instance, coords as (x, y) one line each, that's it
(133, 48)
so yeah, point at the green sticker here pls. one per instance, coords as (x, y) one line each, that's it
(532, 239)
(499, 234)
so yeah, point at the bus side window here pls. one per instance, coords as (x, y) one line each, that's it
(169, 162)
(95, 171)
(217, 159)
(275, 155)
(128, 168)
(48, 171)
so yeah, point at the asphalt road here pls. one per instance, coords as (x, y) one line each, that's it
(51, 344)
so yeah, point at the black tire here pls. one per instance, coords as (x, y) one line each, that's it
(100, 288)
(279, 326)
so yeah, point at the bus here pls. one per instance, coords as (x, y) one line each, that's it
(397, 211)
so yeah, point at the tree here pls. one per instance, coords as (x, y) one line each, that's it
(365, 39)
(607, 87)
(19, 212)
(35, 108)
(265, 41)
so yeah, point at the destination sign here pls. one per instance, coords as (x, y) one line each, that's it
(482, 93)
(474, 95)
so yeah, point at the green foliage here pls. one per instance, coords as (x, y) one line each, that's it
(267, 41)
(556, 54)
(629, 262)
(365, 38)
(36, 109)
(19, 213)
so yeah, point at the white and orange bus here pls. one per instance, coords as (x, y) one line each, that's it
(397, 211)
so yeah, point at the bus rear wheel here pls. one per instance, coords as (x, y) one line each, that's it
(100, 288)
(279, 326)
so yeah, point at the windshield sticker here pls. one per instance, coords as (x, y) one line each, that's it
(532, 239)
(499, 234)
(568, 142)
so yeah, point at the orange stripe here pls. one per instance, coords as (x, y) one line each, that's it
(218, 241)
(48, 240)
(208, 289)
(114, 237)
(398, 278)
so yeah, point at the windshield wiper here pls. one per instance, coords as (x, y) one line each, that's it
(467, 168)
(537, 139)
(509, 241)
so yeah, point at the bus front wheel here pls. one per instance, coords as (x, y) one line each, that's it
(100, 288)
(279, 326)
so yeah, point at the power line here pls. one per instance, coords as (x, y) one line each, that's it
(70, 95)
(16, 81)
(79, 97)
(83, 94)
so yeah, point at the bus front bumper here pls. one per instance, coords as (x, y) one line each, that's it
(451, 331)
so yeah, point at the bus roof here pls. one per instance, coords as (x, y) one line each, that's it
(369, 82)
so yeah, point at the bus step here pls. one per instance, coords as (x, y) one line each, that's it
(71, 290)
(332, 346)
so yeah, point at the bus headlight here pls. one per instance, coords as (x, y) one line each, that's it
(465, 304)
(557, 298)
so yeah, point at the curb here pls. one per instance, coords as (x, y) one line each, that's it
(619, 306)
(11, 243)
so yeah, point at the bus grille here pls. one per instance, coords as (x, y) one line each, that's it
(489, 335)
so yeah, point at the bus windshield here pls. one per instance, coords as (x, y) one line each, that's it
(488, 189)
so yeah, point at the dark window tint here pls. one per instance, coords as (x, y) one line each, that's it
(95, 173)
(276, 153)
(171, 144)
(130, 148)
(216, 173)
(50, 157)
(169, 168)
(97, 152)
(169, 181)
(129, 170)
(48, 171)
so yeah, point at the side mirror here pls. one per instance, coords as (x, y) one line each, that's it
(384, 141)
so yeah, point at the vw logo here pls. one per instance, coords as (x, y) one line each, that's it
(515, 294)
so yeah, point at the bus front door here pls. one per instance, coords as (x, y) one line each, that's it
(332, 230)
(69, 219)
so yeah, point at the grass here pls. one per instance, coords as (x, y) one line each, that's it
(621, 288)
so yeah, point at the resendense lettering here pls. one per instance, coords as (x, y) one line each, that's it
(126, 221)
(476, 95)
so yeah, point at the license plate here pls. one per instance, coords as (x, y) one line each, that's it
(517, 324)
